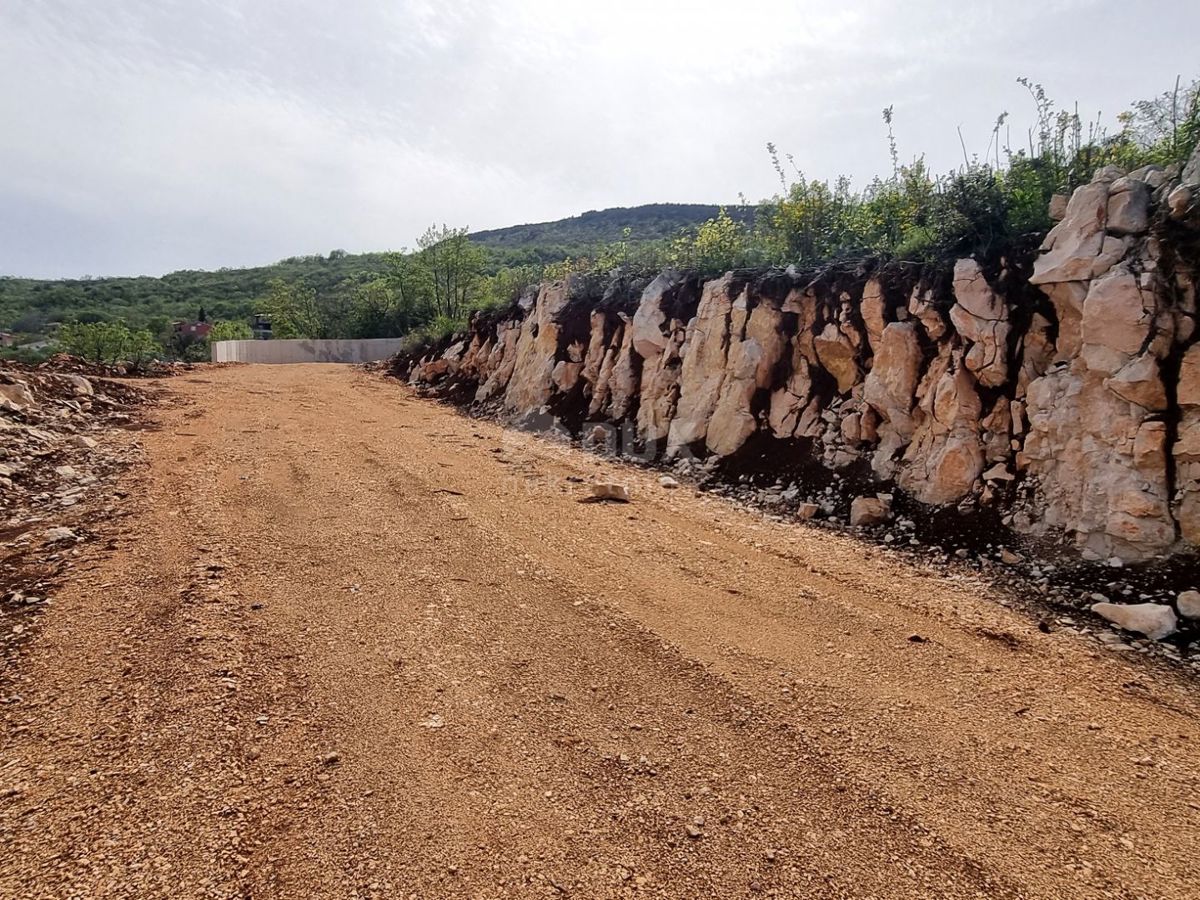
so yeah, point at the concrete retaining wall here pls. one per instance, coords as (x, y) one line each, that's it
(305, 351)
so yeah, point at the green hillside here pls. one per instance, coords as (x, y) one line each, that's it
(27, 305)
(651, 222)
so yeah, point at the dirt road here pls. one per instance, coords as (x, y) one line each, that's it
(356, 645)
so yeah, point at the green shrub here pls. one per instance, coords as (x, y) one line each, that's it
(109, 343)
(230, 331)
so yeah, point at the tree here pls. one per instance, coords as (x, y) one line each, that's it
(109, 342)
(293, 310)
(141, 348)
(455, 267)
(98, 342)
(230, 331)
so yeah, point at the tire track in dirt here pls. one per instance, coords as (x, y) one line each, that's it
(354, 651)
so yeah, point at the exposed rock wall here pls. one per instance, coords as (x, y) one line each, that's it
(1063, 388)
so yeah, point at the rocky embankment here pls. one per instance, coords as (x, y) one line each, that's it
(57, 464)
(1056, 396)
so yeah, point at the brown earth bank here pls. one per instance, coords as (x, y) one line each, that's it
(353, 644)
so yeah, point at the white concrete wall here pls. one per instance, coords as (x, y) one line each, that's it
(362, 351)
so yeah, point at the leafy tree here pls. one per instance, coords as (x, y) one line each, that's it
(454, 266)
(109, 342)
(294, 312)
(229, 330)
(141, 348)
(98, 342)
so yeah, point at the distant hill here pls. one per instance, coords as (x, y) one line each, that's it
(28, 305)
(653, 221)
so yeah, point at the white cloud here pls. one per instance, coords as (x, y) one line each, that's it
(145, 136)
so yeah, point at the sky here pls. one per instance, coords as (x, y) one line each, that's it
(145, 136)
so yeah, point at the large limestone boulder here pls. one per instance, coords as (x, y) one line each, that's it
(1117, 315)
(873, 309)
(869, 511)
(537, 345)
(1153, 620)
(660, 387)
(1128, 207)
(946, 456)
(838, 356)
(1187, 446)
(891, 385)
(1100, 464)
(650, 320)
(1070, 250)
(981, 317)
(703, 370)
(17, 394)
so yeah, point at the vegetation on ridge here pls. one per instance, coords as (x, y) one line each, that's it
(993, 203)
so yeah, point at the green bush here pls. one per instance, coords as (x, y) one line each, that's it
(109, 343)
(230, 331)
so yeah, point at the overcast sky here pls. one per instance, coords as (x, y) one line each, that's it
(143, 136)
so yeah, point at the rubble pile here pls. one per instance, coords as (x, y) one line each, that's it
(57, 457)
(64, 363)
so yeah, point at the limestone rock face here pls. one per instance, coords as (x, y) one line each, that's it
(660, 387)
(1076, 411)
(789, 402)
(982, 318)
(872, 310)
(531, 381)
(623, 378)
(1138, 381)
(732, 421)
(594, 357)
(921, 306)
(1067, 298)
(500, 361)
(891, 385)
(1071, 247)
(1083, 445)
(1187, 446)
(1117, 315)
(703, 370)
(837, 356)
(1191, 172)
(649, 321)
(748, 367)
(945, 457)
